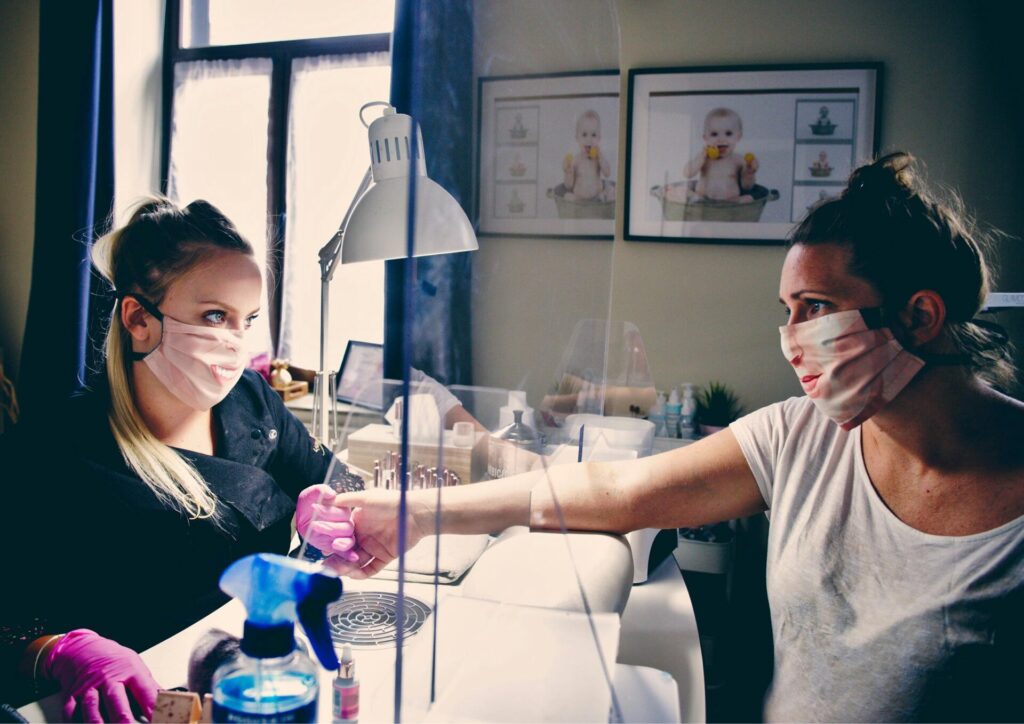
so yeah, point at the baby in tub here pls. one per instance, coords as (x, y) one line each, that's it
(722, 175)
(586, 170)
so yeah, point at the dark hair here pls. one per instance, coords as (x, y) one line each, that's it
(902, 239)
(161, 241)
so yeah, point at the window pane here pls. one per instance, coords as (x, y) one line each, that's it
(219, 149)
(232, 22)
(327, 159)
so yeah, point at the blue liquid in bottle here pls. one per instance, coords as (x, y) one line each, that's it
(280, 689)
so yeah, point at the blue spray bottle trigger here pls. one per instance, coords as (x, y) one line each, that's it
(277, 591)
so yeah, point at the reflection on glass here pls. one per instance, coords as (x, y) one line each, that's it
(219, 150)
(326, 161)
(233, 22)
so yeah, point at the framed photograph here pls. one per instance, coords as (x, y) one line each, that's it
(360, 377)
(549, 155)
(739, 155)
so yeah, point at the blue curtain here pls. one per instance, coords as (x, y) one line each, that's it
(431, 80)
(74, 195)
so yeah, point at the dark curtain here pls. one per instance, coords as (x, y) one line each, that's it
(432, 81)
(74, 195)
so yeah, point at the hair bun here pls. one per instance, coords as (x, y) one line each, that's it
(888, 177)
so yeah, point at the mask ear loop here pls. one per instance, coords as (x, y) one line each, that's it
(156, 313)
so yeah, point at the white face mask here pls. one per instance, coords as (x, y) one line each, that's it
(849, 364)
(199, 365)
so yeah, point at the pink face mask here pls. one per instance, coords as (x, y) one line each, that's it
(199, 365)
(848, 363)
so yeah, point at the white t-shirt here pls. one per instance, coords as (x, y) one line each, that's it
(874, 620)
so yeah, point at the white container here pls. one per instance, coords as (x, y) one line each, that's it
(628, 433)
(704, 556)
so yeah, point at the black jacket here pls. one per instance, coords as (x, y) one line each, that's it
(87, 545)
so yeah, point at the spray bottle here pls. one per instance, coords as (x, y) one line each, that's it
(270, 679)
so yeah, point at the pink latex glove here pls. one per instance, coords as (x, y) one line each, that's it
(323, 525)
(96, 676)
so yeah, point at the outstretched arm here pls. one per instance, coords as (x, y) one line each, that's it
(705, 482)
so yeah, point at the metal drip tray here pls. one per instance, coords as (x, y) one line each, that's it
(369, 620)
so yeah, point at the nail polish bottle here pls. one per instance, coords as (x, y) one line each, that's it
(345, 709)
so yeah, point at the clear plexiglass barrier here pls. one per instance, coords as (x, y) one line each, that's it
(502, 365)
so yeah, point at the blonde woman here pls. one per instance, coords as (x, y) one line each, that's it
(120, 518)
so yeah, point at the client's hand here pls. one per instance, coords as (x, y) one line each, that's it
(322, 525)
(375, 538)
(97, 676)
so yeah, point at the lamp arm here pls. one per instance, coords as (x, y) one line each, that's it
(331, 251)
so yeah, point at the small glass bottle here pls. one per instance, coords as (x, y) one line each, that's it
(345, 702)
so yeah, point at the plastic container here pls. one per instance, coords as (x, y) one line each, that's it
(673, 410)
(627, 433)
(657, 416)
(271, 679)
(688, 412)
(266, 689)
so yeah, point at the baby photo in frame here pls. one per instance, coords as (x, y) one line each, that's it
(736, 154)
(548, 151)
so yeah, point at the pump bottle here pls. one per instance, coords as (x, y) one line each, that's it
(271, 680)
(673, 408)
(688, 413)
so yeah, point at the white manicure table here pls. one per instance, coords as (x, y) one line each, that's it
(657, 674)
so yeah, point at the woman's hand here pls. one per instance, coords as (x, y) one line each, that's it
(99, 678)
(322, 525)
(375, 535)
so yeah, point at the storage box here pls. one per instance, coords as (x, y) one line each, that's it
(373, 442)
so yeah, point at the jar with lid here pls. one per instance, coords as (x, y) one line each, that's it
(512, 448)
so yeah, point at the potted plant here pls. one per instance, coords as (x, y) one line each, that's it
(717, 406)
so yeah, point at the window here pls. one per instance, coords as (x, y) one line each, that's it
(262, 120)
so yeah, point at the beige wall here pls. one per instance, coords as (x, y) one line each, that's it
(19, 53)
(710, 312)
(706, 312)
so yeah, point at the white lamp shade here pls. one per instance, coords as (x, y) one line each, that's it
(378, 228)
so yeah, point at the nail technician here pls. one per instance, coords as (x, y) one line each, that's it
(119, 518)
(895, 487)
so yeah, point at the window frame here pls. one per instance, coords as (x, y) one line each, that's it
(281, 54)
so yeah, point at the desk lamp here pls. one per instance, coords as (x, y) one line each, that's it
(375, 228)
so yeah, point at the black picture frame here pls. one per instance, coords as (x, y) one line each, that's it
(519, 178)
(796, 159)
(361, 375)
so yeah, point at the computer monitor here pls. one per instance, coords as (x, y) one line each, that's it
(361, 374)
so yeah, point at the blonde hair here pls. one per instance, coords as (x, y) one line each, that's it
(158, 245)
